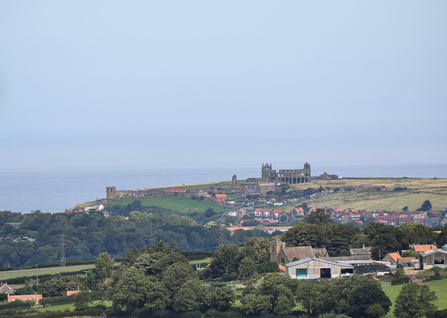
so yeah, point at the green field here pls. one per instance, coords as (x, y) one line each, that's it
(418, 190)
(177, 203)
(4, 276)
(440, 287)
(206, 261)
(201, 185)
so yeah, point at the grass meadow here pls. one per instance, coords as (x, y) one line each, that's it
(177, 203)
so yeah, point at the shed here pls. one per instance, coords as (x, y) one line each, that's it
(311, 267)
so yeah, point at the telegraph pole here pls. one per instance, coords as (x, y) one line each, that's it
(220, 234)
(63, 260)
(37, 280)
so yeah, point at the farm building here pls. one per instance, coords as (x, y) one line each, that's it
(434, 258)
(309, 268)
(360, 251)
(281, 254)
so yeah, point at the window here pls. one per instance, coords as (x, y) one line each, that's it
(301, 272)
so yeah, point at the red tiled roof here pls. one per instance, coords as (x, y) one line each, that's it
(395, 256)
(221, 196)
(406, 260)
(282, 268)
(171, 190)
(423, 248)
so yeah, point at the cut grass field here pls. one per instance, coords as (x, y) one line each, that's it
(439, 287)
(4, 276)
(177, 203)
(107, 303)
(418, 190)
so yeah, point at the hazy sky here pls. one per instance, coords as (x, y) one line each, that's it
(114, 84)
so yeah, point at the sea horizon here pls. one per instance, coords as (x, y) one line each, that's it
(54, 191)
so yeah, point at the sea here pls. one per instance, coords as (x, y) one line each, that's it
(54, 191)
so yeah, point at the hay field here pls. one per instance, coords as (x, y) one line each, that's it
(4, 276)
(418, 190)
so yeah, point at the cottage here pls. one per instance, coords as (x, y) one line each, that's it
(221, 197)
(5, 289)
(309, 268)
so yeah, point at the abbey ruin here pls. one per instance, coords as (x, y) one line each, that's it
(289, 176)
(270, 178)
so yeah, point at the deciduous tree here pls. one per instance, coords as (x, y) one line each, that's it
(415, 301)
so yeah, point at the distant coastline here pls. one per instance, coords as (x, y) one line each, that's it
(54, 191)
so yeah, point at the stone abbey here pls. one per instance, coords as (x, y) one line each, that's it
(289, 176)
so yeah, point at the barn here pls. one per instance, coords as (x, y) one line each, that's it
(311, 267)
(433, 258)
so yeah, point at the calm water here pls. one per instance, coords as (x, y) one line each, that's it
(54, 191)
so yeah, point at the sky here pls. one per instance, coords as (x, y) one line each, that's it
(134, 84)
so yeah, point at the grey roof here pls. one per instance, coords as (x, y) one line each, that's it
(357, 261)
(360, 251)
(302, 261)
(252, 191)
(433, 251)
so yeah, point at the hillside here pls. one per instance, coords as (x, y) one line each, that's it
(418, 190)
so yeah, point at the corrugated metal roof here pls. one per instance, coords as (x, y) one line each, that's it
(316, 259)
(432, 252)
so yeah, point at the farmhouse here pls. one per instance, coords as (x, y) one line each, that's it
(36, 298)
(311, 267)
(391, 258)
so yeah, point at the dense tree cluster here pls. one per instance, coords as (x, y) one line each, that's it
(337, 239)
(89, 234)
(157, 278)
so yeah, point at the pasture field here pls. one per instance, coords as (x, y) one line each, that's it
(418, 190)
(177, 203)
(206, 261)
(71, 307)
(439, 287)
(4, 276)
